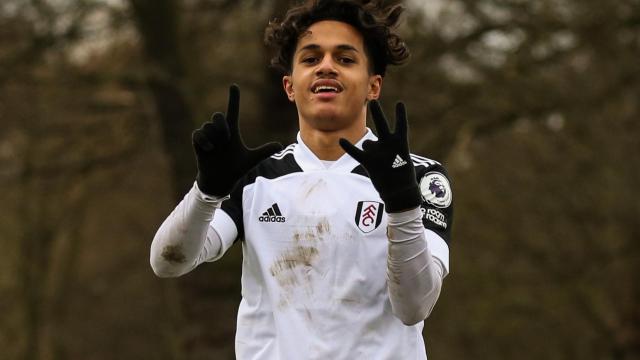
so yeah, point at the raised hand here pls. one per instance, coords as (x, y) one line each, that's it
(388, 161)
(221, 154)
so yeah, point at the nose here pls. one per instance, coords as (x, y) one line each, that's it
(326, 66)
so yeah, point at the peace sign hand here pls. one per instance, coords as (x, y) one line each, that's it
(388, 161)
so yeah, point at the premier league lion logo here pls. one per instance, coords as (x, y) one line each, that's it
(435, 189)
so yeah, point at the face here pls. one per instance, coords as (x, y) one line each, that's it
(330, 81)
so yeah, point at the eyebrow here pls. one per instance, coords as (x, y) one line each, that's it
(344, 47)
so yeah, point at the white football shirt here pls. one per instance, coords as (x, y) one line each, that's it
(315, 251)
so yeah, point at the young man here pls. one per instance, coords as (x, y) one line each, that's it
(345, 246)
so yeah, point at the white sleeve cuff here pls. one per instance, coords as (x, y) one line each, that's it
(225, 229)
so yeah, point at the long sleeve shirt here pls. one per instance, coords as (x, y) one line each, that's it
(321, 257)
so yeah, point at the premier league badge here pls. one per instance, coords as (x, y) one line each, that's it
(435, 189)
(369, 215)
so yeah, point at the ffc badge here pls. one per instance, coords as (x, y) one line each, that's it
(369, 215)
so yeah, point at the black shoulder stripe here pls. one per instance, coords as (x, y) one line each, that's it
(275, 167)
(271, 168)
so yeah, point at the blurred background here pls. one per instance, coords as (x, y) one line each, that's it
(532, 106)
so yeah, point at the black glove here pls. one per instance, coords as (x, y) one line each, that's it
(388, 162)
(221, 155)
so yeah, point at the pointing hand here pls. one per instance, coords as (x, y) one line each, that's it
(221, 155)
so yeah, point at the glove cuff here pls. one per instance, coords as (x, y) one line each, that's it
(402, 199)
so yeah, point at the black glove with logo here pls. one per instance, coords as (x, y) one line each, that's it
(388, 161)
(221, 155)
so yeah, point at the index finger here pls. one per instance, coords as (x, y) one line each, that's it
(233, 108)
(379, 119)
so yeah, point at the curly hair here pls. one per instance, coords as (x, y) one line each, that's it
(371, 18)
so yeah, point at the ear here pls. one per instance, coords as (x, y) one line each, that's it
(375, 87)
(287, 83)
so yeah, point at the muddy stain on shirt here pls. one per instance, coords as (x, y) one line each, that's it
(173, 254)
(292, 258)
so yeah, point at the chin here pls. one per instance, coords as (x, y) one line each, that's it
(326, 114)
(327, 124)
(326, 121)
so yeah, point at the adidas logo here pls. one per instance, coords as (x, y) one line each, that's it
(398, 162)
(272, 214)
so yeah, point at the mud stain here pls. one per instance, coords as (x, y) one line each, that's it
(293, 258)
(348, 301)
(304, 236)
(308, 236)
(287, 280)
(313, 233)
(292, 271)
(173, 254)
(323, 226)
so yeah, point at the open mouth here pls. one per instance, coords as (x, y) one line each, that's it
(326, 87)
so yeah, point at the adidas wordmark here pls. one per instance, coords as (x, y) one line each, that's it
(272, 214)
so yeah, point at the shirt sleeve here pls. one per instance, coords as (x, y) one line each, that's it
(418, 259)
(414, 275)
(437, 200)
(224, 228)
(437, 210)
(191, 235)
(233, 207)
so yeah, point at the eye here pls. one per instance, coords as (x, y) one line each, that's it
(346, 60)
(309, 60)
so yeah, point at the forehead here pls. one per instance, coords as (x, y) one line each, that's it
(331, 34)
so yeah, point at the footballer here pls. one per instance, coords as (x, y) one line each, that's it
(344, 233)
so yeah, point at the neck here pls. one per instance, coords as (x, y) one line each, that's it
(324, 143)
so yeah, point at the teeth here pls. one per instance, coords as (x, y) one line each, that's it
(325, 87)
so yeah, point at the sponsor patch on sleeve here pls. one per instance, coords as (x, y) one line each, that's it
(435, 189)
(435, 217)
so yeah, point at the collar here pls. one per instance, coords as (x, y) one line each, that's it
(308, 161)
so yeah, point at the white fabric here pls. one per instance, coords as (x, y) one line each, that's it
(314, 286)
(414, 277)
(184, 239)
(327, 163)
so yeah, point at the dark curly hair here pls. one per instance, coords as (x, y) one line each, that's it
(371, 18)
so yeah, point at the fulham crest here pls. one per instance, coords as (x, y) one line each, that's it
(369, 215)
